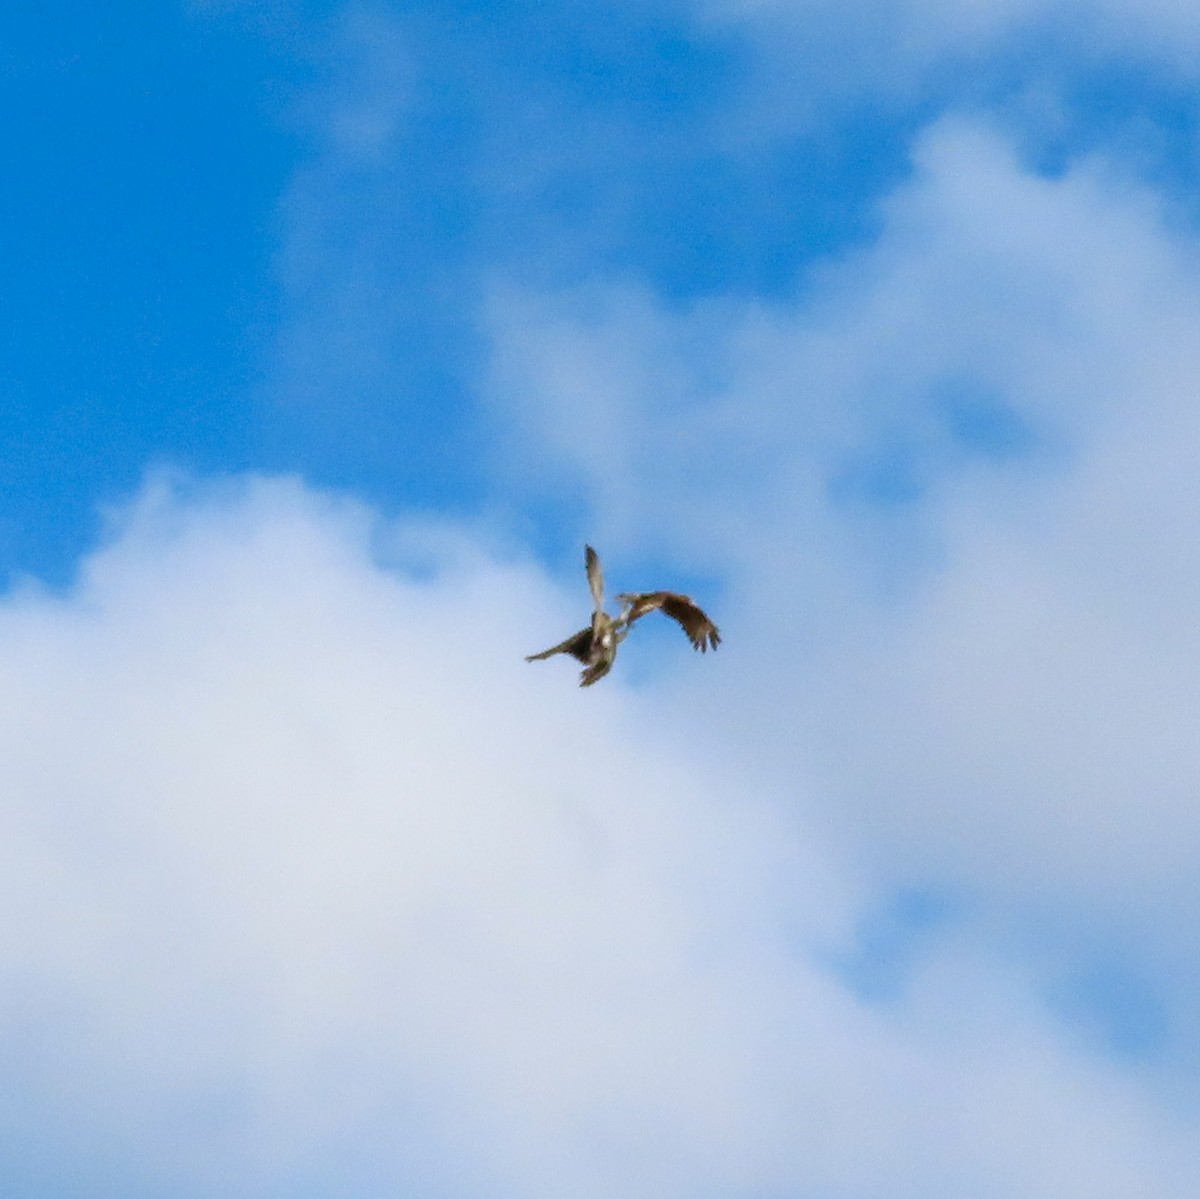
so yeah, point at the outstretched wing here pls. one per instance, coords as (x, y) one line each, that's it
(595, 575)
(701, 631)
(578, 646)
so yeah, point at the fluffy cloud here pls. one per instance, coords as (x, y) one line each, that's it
(314, 882)
(316, 887)
(952, 486)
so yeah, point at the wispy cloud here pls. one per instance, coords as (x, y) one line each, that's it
(908, 47)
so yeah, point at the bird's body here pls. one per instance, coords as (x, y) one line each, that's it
(596, 645)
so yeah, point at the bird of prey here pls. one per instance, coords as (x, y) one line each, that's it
(596, 645)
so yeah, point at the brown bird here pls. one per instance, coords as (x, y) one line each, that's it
(596, 646)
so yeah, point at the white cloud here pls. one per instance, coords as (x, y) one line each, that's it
(1049, 660)
(985, 274)
(987, 685)
(316, 878)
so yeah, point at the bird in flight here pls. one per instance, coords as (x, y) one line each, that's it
(596, 645)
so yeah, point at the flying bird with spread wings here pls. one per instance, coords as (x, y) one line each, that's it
(596, 646)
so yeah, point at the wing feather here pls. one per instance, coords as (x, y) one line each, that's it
(578, 645)
(703, 634)
(595, 576)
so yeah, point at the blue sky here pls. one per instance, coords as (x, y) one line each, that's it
(333, 331)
